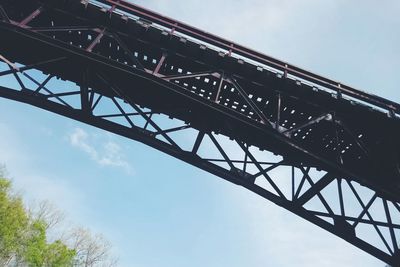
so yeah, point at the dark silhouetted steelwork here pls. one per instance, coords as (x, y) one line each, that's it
(340, 145)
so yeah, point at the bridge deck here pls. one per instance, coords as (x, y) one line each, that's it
(120, 50)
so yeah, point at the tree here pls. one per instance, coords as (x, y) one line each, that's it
(24, 237)
(23, 240)
(91, 250)
(46, 212)
(38, 253)
(13, 223)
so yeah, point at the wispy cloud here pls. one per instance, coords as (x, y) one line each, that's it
(34, 183)
(107, 153)
(37, 185)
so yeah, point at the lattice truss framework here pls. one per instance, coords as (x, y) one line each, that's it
(336, 203)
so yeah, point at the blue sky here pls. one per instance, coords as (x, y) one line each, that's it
(158, 211)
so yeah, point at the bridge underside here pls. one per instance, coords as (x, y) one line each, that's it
(326, 153)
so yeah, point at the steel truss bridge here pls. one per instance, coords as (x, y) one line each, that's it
(323, 150)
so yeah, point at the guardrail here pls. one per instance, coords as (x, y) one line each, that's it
(175, 26)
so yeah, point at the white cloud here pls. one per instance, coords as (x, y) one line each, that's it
(32, 182)
(78, 139)
(36, 184)
(108, 153)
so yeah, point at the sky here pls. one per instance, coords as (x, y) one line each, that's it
(158, 211)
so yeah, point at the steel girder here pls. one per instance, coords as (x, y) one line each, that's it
(129, 74)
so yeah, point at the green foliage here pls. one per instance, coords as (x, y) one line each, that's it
(13, 222)
(58, 254)
(35, 246)
(39, 253)
(23, 238)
